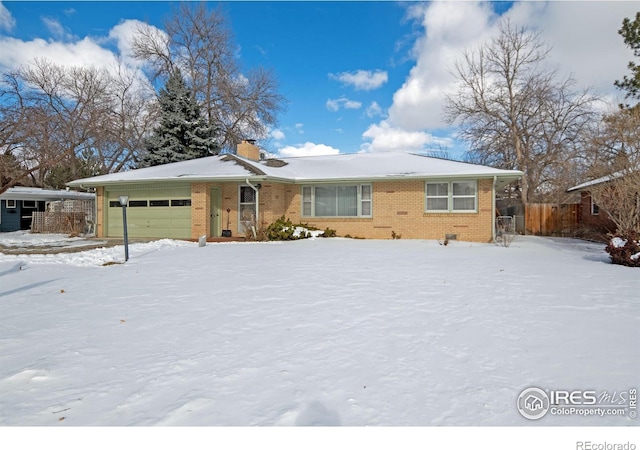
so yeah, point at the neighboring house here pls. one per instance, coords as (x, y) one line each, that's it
(590, 216)
(367, 195)
(17, 204)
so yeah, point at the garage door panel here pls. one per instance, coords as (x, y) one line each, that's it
(150, 221)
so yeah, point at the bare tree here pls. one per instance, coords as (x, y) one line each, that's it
(132, 114)
(65, 123)
(515, 114)
(616, 159)
(199, 42)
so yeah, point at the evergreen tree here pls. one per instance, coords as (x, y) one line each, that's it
(183, 133)
(630, 33)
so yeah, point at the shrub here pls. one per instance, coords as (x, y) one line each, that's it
(625, 249)
(328, 232)
(282, 230)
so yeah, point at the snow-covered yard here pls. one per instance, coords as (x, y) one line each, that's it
(313, 332)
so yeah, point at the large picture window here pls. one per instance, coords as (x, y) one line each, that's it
(451, 196)
(337, 201)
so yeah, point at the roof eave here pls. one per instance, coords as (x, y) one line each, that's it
(513, 176)
(510, 177)
(199, 179)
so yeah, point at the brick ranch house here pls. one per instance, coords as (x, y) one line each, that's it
(367, 195)
(590, 217)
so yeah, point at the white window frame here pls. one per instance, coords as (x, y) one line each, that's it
(309, 200)
(595, 209)
(450, 197)
(11, 205)
(241, 207)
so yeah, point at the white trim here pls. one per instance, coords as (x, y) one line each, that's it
(241, 226)
(14, 204)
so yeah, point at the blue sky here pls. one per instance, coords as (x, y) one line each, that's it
(359, 76)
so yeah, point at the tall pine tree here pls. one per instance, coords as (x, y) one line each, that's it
(630, 32)
(183, 133)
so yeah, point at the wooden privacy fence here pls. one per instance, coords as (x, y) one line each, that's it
(69, 217)
(551, 219)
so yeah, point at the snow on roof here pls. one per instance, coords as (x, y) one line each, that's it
(34, 193)
(597, 181)
(212, 167)
(358, 166)
(378, 165)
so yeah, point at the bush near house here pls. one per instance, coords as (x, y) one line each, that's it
(285, 230)
(625, 249)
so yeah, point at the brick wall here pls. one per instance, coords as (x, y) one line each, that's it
(398, 206)
(599, 223)
(200, 206)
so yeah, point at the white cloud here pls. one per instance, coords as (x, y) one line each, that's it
(54, 27)
(7, 22)
(277, 134)
(584, 41)
(71, 51)
(123, 35)
(364, 80)
(450, 28)
(374, 110)
(86, 52)
(300, 128)
(385, 137)
(343, 102)
(308, 149)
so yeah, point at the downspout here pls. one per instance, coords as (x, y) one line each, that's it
(493, 209)
(255, 189)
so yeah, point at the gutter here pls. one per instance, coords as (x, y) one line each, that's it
(493, 209)
(233, 179)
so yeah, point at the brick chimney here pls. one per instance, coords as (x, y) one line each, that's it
(248, 149)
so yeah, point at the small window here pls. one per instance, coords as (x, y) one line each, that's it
(11, 204)
(185, 202)
(156, 203)
(29, 204)
(464, 196)
(438, 197)
(453, 196)
(595, 209)
(114, 204)
(306, 201)
(137, 204)
(365, 202)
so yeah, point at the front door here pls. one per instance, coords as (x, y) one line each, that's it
(214, 213)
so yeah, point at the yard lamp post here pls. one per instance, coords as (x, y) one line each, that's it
(124, 199)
